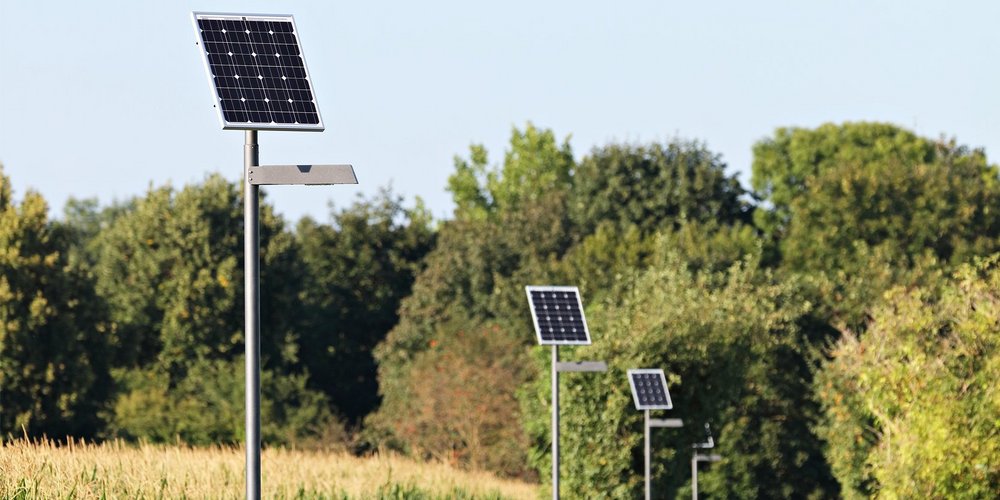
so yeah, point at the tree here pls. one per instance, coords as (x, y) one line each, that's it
(357, 271)
(534, 167)
(170, 268)
(54, 366)
(912, 406)
(654, 187)
(862, 207)
(461, 405)
(784, 164)
(510, 227)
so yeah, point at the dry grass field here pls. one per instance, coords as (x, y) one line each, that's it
(119, 470)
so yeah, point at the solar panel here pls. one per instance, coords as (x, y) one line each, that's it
(649, 389)
(558, 315)
(258, 71)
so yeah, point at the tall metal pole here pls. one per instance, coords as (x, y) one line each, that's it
(555, 423)
(251, 298)
(694, 476)
(646, 449)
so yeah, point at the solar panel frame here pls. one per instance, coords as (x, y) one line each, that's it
(217, 99)
(635, 391)
(534, 314)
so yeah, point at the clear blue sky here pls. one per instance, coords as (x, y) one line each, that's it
(101, 99)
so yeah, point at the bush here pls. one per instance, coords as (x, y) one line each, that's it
(912, 406)
(459, 404)
(207, 407)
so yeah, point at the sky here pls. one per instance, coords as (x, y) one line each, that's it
(106, 99)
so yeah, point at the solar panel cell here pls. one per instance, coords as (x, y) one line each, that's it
(258, 71)
(558, 315)
(649, 390)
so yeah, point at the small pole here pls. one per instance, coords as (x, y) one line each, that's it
(251, 299)
(646, 449)
(555, 423)
(694, 476)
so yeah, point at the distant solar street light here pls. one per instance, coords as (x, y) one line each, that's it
(698, 457)
(557, 313)
(650, 392)
(260, 81)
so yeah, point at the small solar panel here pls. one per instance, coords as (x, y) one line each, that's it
(649, 389)
(558, 315)
(258, 71)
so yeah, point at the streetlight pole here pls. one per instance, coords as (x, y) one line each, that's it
(696, 457)
(251, 290)
(555, 422)
(649, 423)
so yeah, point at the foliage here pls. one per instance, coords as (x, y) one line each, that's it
(865, 206)
(171, 271)
(480, 263)
(923, 377)
(655, 186)
(54, 377)
(731, 361)
(207, 407)
(534, 167)
(460, 403)
(357, 270)
(784, 164)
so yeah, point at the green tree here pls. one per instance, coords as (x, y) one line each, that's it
(864, 206)
(510, 227)
(170, 268)
(784, 164)
(358, 269)
(654, 187)
(534, 167)
(54, 377)
(922, 379)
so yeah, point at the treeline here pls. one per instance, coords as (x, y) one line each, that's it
(836, 322)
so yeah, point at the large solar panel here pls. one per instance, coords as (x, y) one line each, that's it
(258, 71)
(649, 389)
(558, 315)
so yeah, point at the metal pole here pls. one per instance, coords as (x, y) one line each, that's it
(555, 423)
(251, 299)
(646, 449)
(694, 476)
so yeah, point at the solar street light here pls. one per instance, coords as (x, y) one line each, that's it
(557, 313)
(650, 392)
(260, 81)
(697, 457)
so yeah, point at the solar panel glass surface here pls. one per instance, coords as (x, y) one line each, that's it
(558, 315)
(258, 72)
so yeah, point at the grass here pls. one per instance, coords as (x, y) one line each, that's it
(31, 470)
